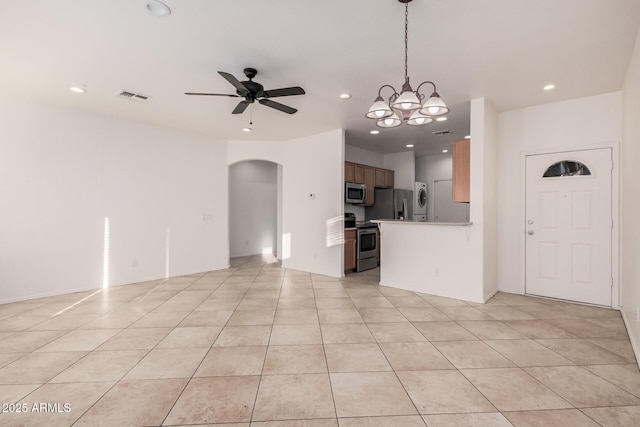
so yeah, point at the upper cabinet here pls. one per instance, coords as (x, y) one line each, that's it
(369, 182)
(384, 178)
(358, 173)
(355, 172)
(370, 176)
(349, 172)
(461, 170)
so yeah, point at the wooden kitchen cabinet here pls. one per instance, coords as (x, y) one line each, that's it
(381, 177)
(461, 170)
(369, 182)
(349, 250)
(359, 173)
(389, 178)
(384, 178)
(349, 172)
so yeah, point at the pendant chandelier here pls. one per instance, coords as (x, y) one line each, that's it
(407, 106)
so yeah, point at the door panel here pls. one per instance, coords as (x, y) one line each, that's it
(568, 226)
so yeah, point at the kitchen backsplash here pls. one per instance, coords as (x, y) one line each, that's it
(357, 210)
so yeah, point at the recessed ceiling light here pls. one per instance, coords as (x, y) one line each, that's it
(157, 8)
(441, 119)
(345, 95)
(409, 145)
(247, 129)
(445, 151)
(549, 87)
(78, 88)
(467, 137)
(374, 132)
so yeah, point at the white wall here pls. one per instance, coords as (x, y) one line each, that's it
(630, 200)
(489, 140)
(63, 171)
(578, 123)
(430, 169)
(404, 166)
(312, 228)
(362, 156)
(253, 196)
(314, 165)
(433, 259)
(483, 205)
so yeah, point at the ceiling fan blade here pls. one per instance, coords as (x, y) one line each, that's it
(277, 106)
(211, 94)
(287, 91)
(235, 82)
(242, 105)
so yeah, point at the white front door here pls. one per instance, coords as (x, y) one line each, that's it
(569, 226)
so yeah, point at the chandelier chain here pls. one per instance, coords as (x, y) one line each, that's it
(406, 106)
(406, 41)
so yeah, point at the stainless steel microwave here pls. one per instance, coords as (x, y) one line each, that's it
(355, 193)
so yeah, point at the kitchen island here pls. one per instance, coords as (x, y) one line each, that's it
(436, 258)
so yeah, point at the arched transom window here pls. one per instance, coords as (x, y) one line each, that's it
(566, 168)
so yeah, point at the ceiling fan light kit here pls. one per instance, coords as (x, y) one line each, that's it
(406, 106)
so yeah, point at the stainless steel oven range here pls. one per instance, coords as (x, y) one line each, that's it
(367, 247)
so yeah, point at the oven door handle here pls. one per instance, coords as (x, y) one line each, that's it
(371, 230)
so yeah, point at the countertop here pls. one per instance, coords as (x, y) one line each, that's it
(422, 223)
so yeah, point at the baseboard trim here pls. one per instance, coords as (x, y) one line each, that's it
(635, 346)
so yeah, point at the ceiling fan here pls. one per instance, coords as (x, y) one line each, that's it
(252, 91)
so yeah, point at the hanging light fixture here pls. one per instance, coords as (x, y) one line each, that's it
(406, 106)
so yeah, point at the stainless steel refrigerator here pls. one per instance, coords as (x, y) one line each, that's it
(391, 204)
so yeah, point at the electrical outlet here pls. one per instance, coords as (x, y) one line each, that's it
(638, 315)
(134, 262)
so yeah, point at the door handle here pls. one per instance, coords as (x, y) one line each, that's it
(530, 232)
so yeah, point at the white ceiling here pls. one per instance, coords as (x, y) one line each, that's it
(504, 50)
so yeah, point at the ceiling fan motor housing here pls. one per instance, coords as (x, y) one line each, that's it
(255, 90)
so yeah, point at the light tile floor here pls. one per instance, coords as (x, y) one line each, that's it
(262, 346)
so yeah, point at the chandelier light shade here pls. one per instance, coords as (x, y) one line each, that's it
(390, 122)
(379, 109)
(408, 106)
(434, 106)
(419, 119)
(408, 99)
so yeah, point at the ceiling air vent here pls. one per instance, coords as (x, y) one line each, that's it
(441, 132)
(132, 96)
